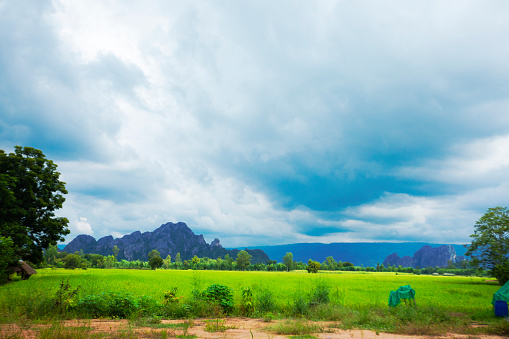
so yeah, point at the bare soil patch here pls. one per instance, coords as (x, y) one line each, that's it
(236, 328)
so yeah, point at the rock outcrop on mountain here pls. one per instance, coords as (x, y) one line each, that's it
(427, 256)
(394, 259)
(168, 239)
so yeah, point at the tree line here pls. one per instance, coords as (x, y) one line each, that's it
(53, 258)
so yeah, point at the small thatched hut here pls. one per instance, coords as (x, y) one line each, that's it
(25, 270)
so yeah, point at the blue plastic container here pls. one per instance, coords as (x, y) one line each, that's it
(501, 308)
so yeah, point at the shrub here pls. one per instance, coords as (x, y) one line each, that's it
(320, 295)
(221, 294)
(111, 304)
(246, 304)
(300, 305)
(148, 306)
(298, 327)
(265, 302)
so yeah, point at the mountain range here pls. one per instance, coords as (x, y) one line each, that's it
(173, 238)
(168, 239)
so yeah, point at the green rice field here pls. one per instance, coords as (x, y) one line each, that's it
(469, 295)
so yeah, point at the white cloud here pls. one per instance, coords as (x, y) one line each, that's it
(83, 227)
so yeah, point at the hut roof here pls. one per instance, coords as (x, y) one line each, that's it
(27, 268)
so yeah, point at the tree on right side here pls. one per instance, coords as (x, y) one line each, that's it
(490, 245)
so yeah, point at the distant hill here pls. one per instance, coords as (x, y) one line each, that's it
(367, 254)
(169, 239)
(427, 256)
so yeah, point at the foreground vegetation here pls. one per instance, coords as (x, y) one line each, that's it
(349, 299)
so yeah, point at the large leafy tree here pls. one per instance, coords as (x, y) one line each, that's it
(6, 255)
(490, 245)
(243, 260)
(154, 259)
(31, 192)
(288, 261)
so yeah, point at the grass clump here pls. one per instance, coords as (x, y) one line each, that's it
(216, 325)
(295, 327)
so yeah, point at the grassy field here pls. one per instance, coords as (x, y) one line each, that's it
(356, 300)
(456, 294)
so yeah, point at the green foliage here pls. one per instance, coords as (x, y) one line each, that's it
(6, 255)
(148, 306)
(295, 327)
(247, 303)
(115, 252)
(108, 304)
(221, 294)
(217, 325)
(167, 262)
(300, 305)
(243, 260)
(288, 261)
(363, 303)
(170, 297)
(72, 261)
(155, 262)
(490, 245)
(31, 192)
(178, 260)
(154, 259)
(265, 301)
(64, 297)
(153, 254)
(51, 254)
(320, 294)
(313, 266)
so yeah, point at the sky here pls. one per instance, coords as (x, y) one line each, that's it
(264, 122)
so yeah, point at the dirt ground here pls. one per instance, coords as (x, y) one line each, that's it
(236, 328)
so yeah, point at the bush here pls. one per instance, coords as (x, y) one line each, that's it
(265, 302)
(72, 261)
(221, 294)
(300, 306)
(111, 304)
(148, 306)
(320, 295)
(246, 304)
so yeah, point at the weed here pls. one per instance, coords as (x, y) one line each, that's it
(171, 296)
(148, 306)
(268, 317)
(246, 304)
(64, 297)
(59, 331)
(320, 294)
(197, 283)
(217, 325)
(148, 322)
(265, 300)
(300, 305)
(295, 327)
(110, 304)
